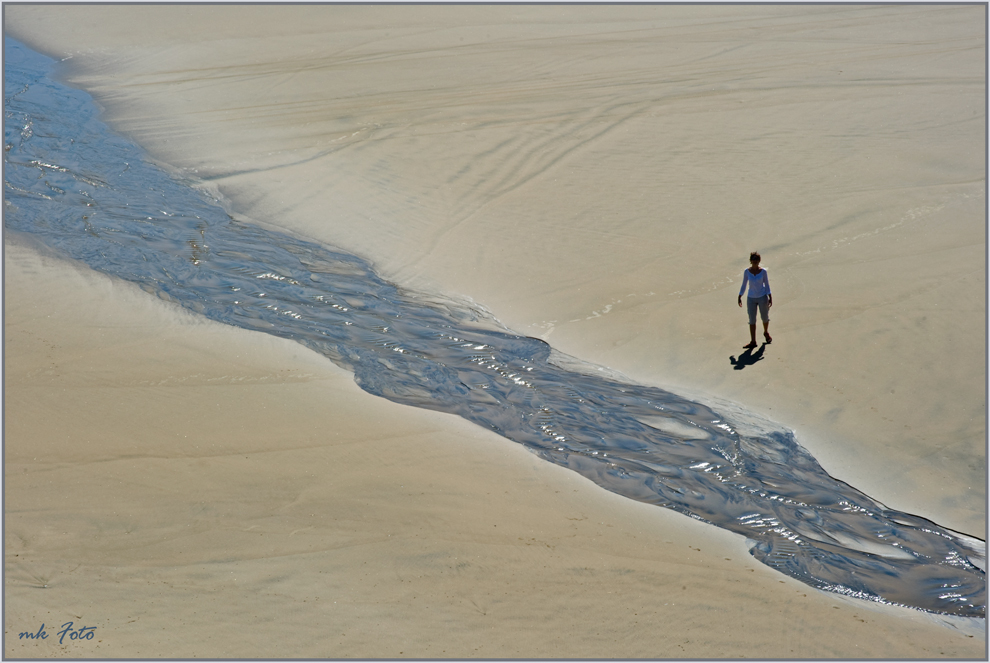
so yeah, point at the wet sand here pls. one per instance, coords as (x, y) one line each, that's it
(594, 176)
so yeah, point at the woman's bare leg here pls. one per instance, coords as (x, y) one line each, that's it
(752, 337)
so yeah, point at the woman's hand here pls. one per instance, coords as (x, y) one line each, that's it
(769, 300)
(740, 301)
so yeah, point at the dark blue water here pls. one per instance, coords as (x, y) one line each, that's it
(94, 197)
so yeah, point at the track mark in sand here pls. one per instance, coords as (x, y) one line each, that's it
(519, 160)
(302, 529)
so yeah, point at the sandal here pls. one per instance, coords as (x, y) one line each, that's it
(767, 336)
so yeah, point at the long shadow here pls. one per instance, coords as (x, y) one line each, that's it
(747, 358)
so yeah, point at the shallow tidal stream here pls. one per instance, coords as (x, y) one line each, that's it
(94, 197)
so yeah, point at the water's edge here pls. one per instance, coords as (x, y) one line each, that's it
(94, 197)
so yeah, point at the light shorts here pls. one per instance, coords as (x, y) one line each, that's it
(764, 304)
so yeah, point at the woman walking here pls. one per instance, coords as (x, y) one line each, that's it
(759, 297)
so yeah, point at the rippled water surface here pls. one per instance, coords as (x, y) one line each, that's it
(94, 197)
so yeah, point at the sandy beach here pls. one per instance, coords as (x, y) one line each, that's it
(595, 176)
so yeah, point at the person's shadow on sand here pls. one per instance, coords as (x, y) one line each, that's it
(747, 358)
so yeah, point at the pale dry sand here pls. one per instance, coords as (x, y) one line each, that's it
(595, 176)
(195, 490)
